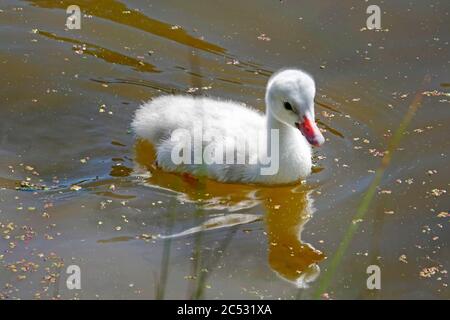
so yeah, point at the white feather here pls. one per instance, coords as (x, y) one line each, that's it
(156, 120)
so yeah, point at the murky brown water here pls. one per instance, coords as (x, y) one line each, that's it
(67, 99)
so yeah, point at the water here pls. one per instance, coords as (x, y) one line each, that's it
(67, 99)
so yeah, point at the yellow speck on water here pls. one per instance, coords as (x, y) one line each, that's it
(443, 214)
(75, 188)
(263, 37)
(438, 192)
(435, 93)
(146, 236)
(428, 272)
(48, 237)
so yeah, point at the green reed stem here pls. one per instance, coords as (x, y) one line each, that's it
(368, 197)
(161, 286)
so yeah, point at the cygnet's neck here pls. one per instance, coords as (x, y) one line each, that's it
(284, 131)
(294, 150)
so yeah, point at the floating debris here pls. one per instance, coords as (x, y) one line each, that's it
(29, 186)
(438, 192)
(428, 272)
(147, 237)
(75, 187)
(355, 221)
(374, 29)
(436, 93)
(443, 214)
(263, 37)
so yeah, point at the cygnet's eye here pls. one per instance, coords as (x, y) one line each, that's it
(288, 106)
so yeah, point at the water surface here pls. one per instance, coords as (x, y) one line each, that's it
(75, 188)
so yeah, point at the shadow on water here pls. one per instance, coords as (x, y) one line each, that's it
(287, 210)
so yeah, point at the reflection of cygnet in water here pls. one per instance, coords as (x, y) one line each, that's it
(287, 213)
(288, 208)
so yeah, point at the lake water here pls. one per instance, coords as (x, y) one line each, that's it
(73, 190)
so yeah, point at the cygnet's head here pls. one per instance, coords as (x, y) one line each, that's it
(290, 99)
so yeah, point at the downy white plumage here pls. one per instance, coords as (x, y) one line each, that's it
(289, 110)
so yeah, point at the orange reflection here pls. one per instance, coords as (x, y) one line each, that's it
(118, 12)
(104, 54)
(288, 208)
